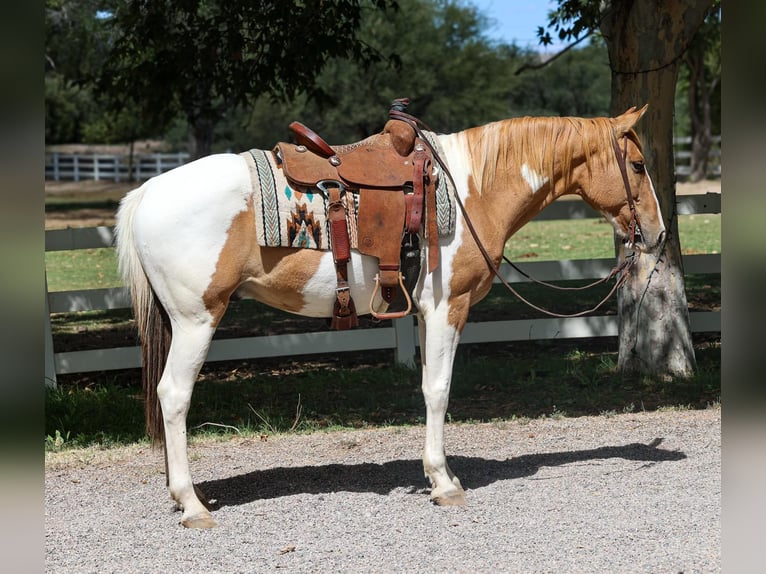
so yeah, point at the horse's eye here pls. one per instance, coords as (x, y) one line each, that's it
(638, 166)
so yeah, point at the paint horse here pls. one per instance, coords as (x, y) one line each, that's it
(187, 244)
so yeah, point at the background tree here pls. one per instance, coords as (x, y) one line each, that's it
(75, 47)
(203, 57)
(454, 75)
(703, 65)
(647, 41)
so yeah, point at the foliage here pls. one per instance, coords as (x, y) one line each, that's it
(77, 49)
(573, 20)
(454, 76)
(433, 51)
(68, 108)
(76, 42)
(576, 85)
(74, 49)
(201, 57)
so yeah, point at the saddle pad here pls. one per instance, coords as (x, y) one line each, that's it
(285, 217)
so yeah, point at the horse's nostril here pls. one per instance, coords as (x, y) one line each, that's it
(661, 237)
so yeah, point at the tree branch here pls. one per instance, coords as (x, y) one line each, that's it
(539, 65)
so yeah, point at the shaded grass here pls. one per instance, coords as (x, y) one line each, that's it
(490, 382)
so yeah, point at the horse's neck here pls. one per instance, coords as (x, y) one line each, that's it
(506, 197)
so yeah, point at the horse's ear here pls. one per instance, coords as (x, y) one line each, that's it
(625, 121)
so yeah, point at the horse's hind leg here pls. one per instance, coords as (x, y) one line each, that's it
(188, 350)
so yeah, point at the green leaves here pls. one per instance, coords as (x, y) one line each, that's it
(203, 57)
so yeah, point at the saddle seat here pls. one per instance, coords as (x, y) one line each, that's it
(391, 174)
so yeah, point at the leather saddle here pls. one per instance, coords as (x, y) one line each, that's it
(391, 172)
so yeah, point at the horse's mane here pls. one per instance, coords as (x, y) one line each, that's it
(541, 143)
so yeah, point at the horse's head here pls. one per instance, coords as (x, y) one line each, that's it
(624, 192)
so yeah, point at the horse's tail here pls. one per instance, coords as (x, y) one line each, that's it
(151, 319)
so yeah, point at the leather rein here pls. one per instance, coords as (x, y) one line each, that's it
(621, 271)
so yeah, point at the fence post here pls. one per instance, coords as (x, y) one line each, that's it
(50, 364)
(55, 166)
(117, 169)
(404, 335)
(76, 167)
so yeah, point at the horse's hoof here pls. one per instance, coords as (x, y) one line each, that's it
(451, 498)
(199, 521)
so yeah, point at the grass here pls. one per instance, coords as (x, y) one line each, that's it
(490, 382)
(82, 269)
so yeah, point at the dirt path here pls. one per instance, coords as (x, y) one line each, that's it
(627, 493)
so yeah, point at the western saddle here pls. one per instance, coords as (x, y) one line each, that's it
(392, 174)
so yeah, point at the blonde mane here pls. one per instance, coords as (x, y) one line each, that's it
(542, 143)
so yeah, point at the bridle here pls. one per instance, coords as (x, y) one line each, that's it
(635, 224)
(621, 271)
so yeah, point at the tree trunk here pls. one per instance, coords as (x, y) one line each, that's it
(131, 160)
(202, 136)
(700, 92)
(646, 40)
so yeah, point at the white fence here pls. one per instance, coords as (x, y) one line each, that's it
(401, 336)
(76, 167)
(683, 157)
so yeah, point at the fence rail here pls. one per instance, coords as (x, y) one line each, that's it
(77, 167)
(401, 336)
(683, 156)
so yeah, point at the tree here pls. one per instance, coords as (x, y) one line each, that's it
(577, 85)
(453, 74)
(204, 57)
(646, 41)
(75, 46)
(454, 77)
(703, 62)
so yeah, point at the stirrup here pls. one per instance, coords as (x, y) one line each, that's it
(394, 314)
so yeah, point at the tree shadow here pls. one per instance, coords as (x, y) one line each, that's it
(474, 472)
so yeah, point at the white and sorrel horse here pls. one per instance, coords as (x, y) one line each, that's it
(186, 243)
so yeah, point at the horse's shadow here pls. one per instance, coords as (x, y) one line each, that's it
(474, 472)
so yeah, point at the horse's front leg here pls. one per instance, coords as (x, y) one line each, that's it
(438, 344)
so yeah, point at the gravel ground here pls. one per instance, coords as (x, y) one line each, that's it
(627, 493)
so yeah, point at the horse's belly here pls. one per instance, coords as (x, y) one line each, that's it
(305, 281)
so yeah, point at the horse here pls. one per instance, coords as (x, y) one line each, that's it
(186, 245)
